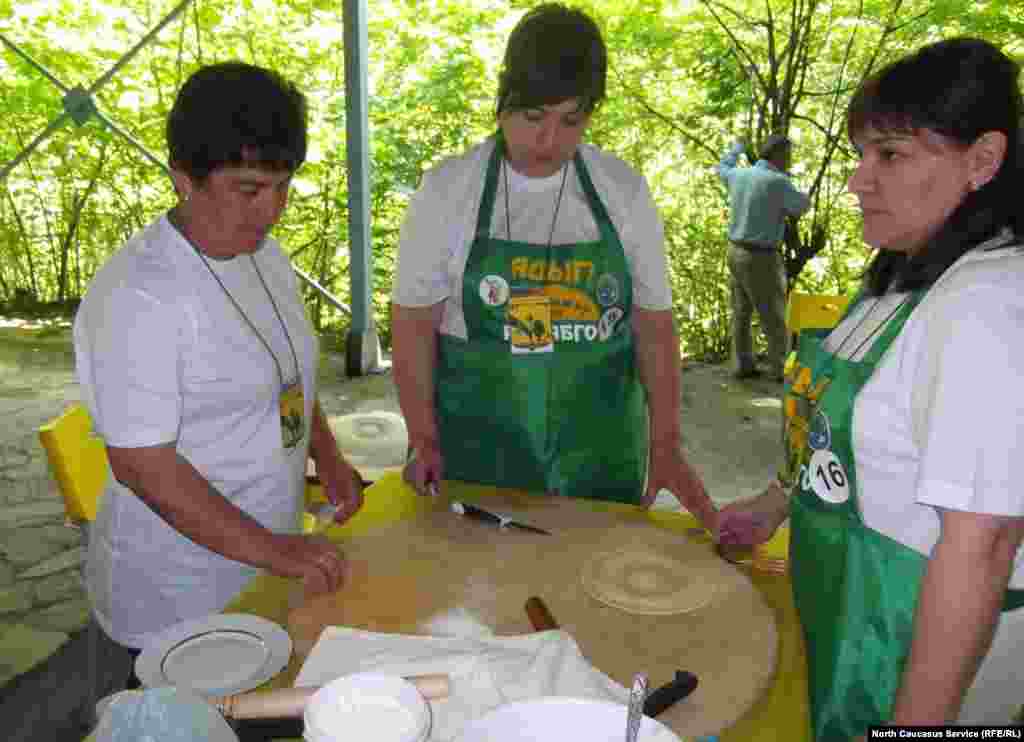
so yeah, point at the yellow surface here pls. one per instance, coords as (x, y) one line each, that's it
(781, 714)
(819, 311)
(78, 459)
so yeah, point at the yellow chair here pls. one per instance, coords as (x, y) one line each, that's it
(813, 311)
(78, 459)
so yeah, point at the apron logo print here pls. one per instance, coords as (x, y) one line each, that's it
(607, 290)
(494, 291)
(530, 321)
(609, 321)
(819, 437)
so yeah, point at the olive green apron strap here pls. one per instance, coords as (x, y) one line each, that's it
(486, 211)
(604, 222)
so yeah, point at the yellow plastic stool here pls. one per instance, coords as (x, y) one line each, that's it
(818, 311)
(78, 459)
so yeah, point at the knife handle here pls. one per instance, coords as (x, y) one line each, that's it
(661, 698)
(464, 508)
(539, 615)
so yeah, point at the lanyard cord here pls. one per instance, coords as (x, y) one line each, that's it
(997, 242)
(249, 322)
(871, 335)
(554, 217)
(547, 250)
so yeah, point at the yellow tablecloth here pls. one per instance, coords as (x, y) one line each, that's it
(781, 714)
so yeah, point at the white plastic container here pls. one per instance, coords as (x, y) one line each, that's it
(367, 706)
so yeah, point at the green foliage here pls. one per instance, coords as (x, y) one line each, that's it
(686, 77)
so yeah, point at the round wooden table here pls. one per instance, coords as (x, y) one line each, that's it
(422, 562)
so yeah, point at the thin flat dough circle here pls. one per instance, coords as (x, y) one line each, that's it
(648, 583)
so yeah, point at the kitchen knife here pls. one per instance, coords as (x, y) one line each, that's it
(315, 479)
(472, 511)
(661, 698)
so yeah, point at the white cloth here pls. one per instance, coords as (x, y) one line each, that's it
(484, 671)
(163, 356)
(441, 220)
(940, 423)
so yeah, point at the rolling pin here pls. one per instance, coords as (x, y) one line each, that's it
(539, 615)
(289, 703)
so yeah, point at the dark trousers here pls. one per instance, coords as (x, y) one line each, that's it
(56, 699)
(758, 282)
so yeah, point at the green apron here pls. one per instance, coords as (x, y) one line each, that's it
(544, 394)
(855, 589)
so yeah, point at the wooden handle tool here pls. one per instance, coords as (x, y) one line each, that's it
(289, 703)
(539, 615)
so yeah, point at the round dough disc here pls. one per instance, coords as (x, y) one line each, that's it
(645, 582)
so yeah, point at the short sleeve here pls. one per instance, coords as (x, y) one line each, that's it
(795, 202)
(424, 248)
(967, 406)
(127, 361)
(643, 238)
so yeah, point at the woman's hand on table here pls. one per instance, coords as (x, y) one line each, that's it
(343, 486)
(753, 521)
(670, 470)
(318, 563)
(424, 467)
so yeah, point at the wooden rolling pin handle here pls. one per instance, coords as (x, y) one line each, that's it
(282, 703)
(539, 615)
(289, 703)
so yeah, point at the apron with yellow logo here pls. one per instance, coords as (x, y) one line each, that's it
(855, 588)
(544, 394)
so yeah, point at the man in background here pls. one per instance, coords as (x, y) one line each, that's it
(760, 199)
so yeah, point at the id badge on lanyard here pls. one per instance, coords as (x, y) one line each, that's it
(292, 408)
(530, 320)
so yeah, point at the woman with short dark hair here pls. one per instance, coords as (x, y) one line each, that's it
(904, 423)
(198, 367)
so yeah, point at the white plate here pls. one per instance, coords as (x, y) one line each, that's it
(557, 718)
(215, 656)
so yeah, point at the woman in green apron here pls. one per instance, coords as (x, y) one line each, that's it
(532, 326)
(903, 424)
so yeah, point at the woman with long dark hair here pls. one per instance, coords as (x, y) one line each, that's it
(904, 423)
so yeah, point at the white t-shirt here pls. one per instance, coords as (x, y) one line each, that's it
(162, 355)
(440, 226)
(940, 423)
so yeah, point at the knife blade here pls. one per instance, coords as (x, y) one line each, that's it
(675, 690)
(472, 511)
(637, 698)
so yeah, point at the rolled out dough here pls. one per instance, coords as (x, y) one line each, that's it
(646, 582)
